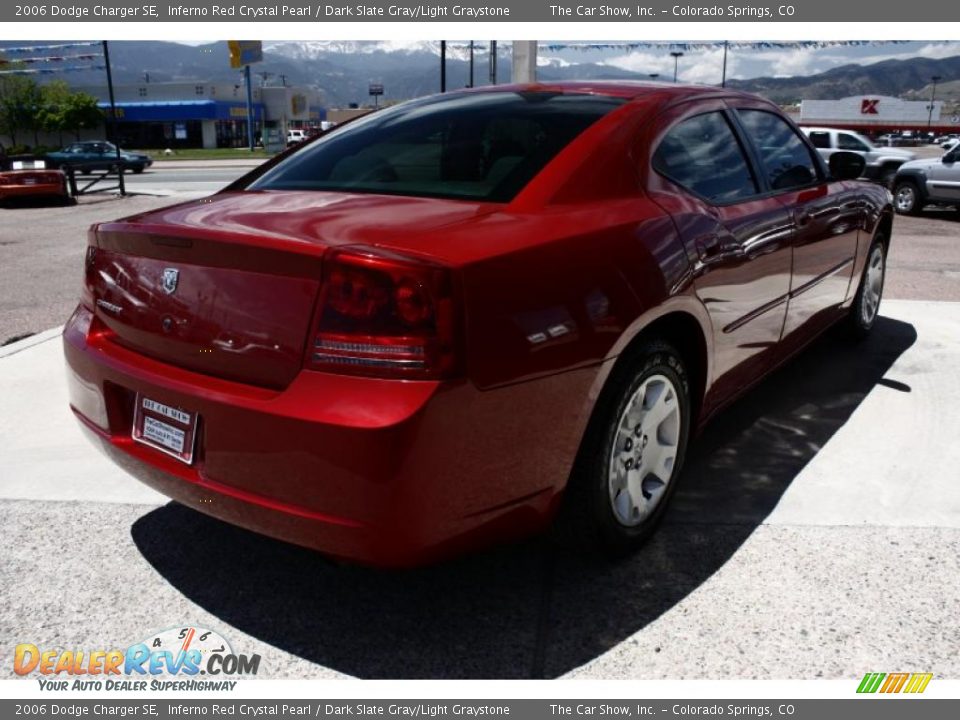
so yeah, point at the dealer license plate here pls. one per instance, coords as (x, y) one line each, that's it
(170, 430)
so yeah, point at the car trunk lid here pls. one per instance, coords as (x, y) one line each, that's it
(227, 286)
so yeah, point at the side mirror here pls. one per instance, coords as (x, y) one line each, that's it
(846, 165)
(950, 158)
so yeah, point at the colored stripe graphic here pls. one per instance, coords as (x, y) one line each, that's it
(918, 682)
(870, 682)
(894, 683)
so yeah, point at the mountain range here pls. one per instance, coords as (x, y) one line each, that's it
(410, 69)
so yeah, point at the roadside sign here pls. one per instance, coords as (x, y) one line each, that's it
(245, 52)
(376, 88)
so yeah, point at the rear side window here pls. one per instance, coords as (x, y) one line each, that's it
(484, 146)
(786, 160)
(703, 155)
(820, 139)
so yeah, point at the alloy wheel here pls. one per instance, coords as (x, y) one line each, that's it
(644, 450)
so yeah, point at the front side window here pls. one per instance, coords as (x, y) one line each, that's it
(703, 155)
(820, 139)
(845, 141)
(484, 146)
(786, 160)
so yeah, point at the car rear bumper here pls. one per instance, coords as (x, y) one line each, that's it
(381, 472)
(20, 190)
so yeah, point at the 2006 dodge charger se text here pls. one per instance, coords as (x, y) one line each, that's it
(460, 319)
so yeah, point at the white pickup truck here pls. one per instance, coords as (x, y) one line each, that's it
(882, 162)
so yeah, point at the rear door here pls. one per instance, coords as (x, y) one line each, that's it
(738, 238)
(826, 215)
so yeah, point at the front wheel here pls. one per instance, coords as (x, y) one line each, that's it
(632, 454)
(906, 198)
(866, 304)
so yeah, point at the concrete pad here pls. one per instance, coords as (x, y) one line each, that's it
(45, 454)
(896, 460)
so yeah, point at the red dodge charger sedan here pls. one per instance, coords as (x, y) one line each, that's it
(464, 318)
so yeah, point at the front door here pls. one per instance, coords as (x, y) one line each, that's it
(825, 216)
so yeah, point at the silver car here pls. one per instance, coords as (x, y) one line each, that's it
(934, 181)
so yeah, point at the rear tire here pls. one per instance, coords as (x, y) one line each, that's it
(866, 304)
(631, 456)
(906, 198)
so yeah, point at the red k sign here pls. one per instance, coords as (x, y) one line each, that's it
(869, 107)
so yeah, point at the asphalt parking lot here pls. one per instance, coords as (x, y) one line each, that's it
(816, 533)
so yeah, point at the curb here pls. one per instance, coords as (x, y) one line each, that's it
(32, 341)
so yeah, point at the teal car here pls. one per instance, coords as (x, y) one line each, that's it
(97, 155)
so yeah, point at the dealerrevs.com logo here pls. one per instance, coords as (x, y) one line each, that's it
(173, 659)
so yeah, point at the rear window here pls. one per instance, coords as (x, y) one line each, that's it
(484, 146)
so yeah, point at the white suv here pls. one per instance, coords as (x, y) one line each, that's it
(882, 162)
(935, 181)
(295, 135)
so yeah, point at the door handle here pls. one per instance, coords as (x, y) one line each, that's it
(802, 218)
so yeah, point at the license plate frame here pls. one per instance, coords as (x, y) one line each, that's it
(165, 428)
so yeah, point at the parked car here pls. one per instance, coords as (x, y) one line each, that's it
(26, 177)
(933, 181)
(97, 155)
(460, 319)
(881, 162)
(296, 136)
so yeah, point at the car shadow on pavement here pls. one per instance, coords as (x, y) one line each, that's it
(528, 610)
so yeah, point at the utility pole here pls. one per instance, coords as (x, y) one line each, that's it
(723, 81)
(933, 97)
(471, 64)
(246, 77)
(443, 66)
(113, 116)
(493, 62)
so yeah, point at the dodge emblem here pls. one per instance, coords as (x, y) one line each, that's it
(169, 282)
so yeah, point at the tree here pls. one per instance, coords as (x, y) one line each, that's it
(63, 110)
(82, 113)
(19, 106)
(54, 97)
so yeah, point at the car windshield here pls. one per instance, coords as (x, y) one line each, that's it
(483, 146)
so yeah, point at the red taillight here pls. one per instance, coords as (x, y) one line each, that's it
(386, 315)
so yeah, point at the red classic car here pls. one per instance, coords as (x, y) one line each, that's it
(463, 318)
(27, 178)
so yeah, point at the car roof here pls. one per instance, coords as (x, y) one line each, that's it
(613, 88)
(656, 95)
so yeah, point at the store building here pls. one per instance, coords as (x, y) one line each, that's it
(876, 114)
(206, 115)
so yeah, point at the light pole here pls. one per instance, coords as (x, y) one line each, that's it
(443, 66)
(471, 65)
(933, 96)
(676, 55)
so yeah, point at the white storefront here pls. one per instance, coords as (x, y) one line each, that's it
(876, 112)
